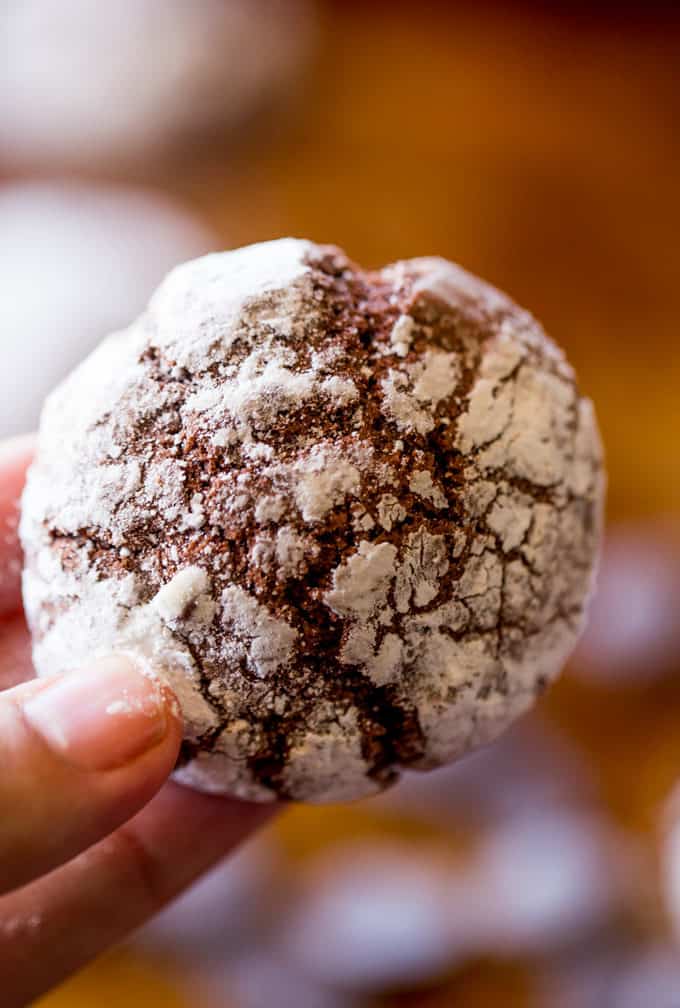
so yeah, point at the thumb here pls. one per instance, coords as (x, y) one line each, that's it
(80, 754)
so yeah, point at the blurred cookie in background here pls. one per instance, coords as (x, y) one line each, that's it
(109, 84)
(378, 914)
(633, 632)
(77, 262)
(552, 880)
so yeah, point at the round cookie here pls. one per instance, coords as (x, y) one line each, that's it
(351, 516)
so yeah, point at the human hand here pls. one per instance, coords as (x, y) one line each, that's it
(80, 755)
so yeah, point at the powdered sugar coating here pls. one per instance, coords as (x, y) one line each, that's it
(351, 517)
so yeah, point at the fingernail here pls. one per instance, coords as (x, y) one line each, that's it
(100, 718)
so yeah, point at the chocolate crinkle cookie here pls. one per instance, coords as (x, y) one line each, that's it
(350, 516)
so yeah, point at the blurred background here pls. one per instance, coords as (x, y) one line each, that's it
(538, 146)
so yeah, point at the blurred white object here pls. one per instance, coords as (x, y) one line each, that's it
(77, 263)
(546, 881)
(633, 628)
(376, 915)
(82, 81)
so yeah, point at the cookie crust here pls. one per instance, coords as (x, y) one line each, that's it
(351, 516)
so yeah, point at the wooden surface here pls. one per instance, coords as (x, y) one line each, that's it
(543, 153)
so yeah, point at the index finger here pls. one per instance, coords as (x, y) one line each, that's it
(15, 457)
